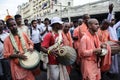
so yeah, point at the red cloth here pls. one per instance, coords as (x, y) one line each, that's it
(48, 41)
(67, 39)
(104, 36)
(106, 60)
(79, 32)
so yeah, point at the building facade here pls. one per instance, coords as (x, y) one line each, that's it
(38, 8)
(64, 8)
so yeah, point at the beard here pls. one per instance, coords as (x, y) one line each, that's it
(19, 23)
(14, 31)
(1, 28)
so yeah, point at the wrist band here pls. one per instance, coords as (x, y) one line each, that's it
(48, 51)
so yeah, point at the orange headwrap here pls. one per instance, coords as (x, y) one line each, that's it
(7, 17)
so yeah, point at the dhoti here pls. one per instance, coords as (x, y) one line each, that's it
(57, 72)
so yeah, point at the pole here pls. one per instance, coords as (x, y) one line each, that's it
(69, 19)
(7, 12)
(60, 10)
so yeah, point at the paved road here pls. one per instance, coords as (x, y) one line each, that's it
(42, 76)
(75, 75)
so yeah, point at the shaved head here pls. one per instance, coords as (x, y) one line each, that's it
(93, 25)
(66, 27)
(66, 23)
(91, 21)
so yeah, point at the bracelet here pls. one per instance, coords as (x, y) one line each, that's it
(48, 51)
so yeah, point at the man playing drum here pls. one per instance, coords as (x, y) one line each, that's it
(14, 47)
(55, 70)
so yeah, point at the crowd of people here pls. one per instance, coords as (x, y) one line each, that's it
(87, 36)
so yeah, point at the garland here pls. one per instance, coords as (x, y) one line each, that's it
(57, 42)
(15, 44)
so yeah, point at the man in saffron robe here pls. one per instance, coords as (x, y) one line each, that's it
(80, 30)
(18, 73)
(78, 33)
(91, 47)
(67, 39)
(103, 33)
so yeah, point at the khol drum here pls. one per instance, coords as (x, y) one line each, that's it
(33, 59)
(115, 47)
(66, 55)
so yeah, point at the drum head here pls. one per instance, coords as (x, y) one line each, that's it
(33, 59)
(67, 55)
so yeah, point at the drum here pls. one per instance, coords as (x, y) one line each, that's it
(66, 55)
(33, 59)
(115, 47)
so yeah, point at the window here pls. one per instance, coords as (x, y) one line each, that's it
(69, 3)
(55, 1)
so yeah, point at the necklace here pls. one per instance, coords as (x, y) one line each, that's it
(15, 44)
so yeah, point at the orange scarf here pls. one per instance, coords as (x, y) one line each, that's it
(67, 40)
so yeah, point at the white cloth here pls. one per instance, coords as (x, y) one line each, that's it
(24, 29)
(113, 34)
(44, 28)
(110, 17)
(2, 36)
(117, 25)
(57, 72)
(40, 25)
(35, 36)
(44, 58)
(112, 29)
(56, 20)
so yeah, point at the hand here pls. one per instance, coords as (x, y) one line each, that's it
(30, 49)
(111, 7)
(103, 45)
(97, 51)
(54, 52)
(75, 38)
(21, 56)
